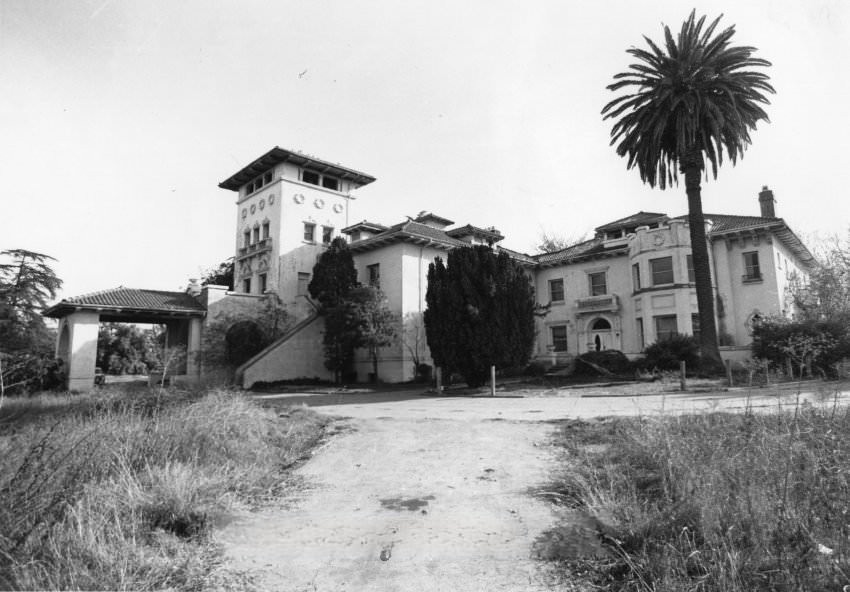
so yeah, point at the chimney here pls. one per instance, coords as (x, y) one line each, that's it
(767, 203)
(193, 289)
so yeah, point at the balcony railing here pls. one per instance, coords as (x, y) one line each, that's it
(598, 303)
(257, 247)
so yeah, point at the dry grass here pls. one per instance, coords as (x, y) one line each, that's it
(715, 502)
(116, 492)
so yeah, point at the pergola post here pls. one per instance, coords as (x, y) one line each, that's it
(80, 348)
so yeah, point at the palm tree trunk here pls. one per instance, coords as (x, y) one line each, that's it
(710, 353)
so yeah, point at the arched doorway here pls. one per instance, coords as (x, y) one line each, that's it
(600, 335)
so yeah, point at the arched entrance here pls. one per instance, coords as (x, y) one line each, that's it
(600, 335)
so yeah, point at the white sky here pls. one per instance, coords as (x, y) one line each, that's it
(118, 119)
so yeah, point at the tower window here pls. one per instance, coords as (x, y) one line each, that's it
(256, 234)
(691, 274)
(309, 232)
(310, 177)
(636, 276)
(263, 283)
(265, 230)
(665, 327)
(246, 238)
(327, 234)
(330, 183)
(246, 285)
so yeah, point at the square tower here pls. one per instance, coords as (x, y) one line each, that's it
(290, 206)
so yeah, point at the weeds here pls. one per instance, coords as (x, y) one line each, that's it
(121, 493)
(716, 502)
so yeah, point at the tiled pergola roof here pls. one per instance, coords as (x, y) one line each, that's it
(129, 303)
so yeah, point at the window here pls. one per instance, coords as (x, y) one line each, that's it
(309, 232)
(662, 270)
(695, 325)
(641, 341)
(265, 230)
(691, 275)
(258, 183)
(559, 338)
(327, 234)
(256, 234)
(556, 290)
(247, 238)
(263, 284)
(751, 266)
(314, 178)
(374, 275)
(636, 276)
(598, 283)
(665, 327)
(303, 284)
(246, 285)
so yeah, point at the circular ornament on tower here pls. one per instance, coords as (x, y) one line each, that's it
(262, 204)
(298, 198)
(337, 208)
(253, 208)
(244, 213)
(658, 240)
(271, 199)
(319, 203)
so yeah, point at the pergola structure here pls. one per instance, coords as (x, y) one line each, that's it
(80, 317)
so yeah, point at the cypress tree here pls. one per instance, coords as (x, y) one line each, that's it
(480, 313)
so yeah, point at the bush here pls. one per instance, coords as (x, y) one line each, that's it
(819, 344)
(665, 354)
(535, 369)
(612, 360)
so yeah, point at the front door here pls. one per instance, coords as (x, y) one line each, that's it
(600, 335)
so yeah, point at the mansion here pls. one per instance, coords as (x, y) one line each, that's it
(629, 285)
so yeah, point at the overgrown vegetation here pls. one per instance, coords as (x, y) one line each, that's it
(808, 347)
(666, 353)
(716, 502)
(121, 493)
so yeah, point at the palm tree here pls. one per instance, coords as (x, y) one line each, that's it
(688, 103)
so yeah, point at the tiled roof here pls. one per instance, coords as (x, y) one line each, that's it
(129, 298)
(587, 249)
(278, 155)
(364, 225)
(409, 230)
(469, 229)
(425, 217)
(638, 219)
(726, 222)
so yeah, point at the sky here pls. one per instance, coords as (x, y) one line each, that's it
(119, 118)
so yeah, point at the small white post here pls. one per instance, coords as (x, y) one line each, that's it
(492, 381)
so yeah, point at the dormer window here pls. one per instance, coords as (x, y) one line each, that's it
(258, 183)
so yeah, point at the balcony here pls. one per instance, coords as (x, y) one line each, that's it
(606, 302)
(254, 248)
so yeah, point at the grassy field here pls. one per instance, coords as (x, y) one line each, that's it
(120, 491)
(714, 502)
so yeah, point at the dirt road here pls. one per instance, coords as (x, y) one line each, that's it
(427, 493)
(398, 504)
